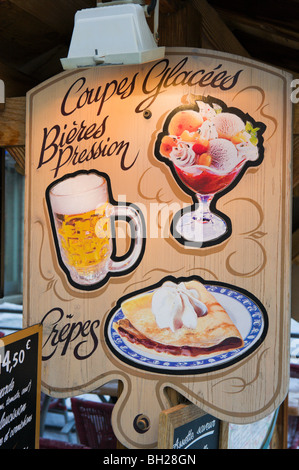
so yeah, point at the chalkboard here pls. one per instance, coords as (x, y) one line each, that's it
(188, 427)
(20, 385)
(2, 210)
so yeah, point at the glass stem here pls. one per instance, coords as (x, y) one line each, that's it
(204, 207)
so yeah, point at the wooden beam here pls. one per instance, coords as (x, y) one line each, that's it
(296, 116)
(171, 6)
(12, 122)
(280, 434)
(266, 51)
(16, 83)
(262, 29)
(23, 36)
(58, 15)
(281, 13)
(171, 32)
(295, 160)
(46, 65)
(216, 31)
(295, 247)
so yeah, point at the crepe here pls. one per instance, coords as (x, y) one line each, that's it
(214, 331)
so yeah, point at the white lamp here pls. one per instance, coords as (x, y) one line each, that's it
(112, 33)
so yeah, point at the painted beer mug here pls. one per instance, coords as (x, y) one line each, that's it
(81, 214)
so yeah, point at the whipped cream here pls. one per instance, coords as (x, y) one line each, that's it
(247, 150)
(208, 130)
(183, 155)
(175, 306)
(206, 110)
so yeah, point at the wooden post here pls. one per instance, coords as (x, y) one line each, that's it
(280, 435)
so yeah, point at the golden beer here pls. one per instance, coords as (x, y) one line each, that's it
(85, 239)
(82, 215)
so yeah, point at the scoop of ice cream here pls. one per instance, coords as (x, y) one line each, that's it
(247, 151)
(188, 120)
(227, 125)
(174, 306)
(224, 155)
(208, 131)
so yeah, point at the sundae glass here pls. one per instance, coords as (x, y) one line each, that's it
(207, 149)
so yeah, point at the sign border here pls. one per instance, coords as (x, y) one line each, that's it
(17, 336)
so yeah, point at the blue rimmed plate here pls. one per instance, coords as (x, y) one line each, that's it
(246, 313)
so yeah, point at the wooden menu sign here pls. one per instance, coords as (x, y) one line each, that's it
(157, 235)
(20, 385)
(188, 427)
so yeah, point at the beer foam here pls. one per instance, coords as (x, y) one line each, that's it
(79, 194)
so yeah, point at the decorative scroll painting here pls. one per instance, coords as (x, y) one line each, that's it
(157, 235)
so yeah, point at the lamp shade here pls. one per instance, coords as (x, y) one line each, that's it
(115, 34)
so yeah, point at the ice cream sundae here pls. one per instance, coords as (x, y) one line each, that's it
(208, 142)
(208, 148)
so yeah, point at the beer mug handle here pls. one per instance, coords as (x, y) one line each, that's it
(136, 234)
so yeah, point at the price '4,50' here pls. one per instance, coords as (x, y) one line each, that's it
(9, 361)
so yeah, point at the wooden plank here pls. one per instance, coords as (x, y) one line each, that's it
(296, 116)
(295, 247)
(284, 13)
(171, 6)
(174, 397)
(16, 83)
(171, 32)
(47, 64)
(59, 18)
(183, 415)
(12, 122)
(23, 36)
(264, 50)
(295, 160)
(173, 418)
(33, 33)
(280, 435)
(263, 29)
(216, 30)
